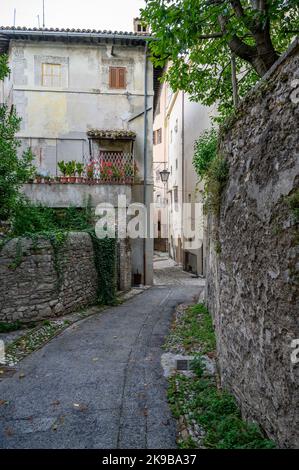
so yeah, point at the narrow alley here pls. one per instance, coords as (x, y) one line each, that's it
(100, 383)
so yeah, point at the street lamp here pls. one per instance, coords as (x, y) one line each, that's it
(164, 174)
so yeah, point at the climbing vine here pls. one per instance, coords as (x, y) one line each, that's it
(105, 263)
(211, 168)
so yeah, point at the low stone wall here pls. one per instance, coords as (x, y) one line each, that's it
(37, 282)
(252, 279)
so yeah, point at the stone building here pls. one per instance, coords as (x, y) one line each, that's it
(178, 122)
(87, 96)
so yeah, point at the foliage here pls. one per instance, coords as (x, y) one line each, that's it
(194, 330)
(196, 38)
(36, 219)
(7, 327)
(293, 203)
(62, 167)
(215, 181)
(14, 170)
(70, 168)
(105, 262)
(197, 365)
(205, 150)
(30, 219)
(4, 69)
(216, 412)
(211, 168)
(79, 168)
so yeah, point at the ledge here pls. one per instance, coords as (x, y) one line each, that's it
(77, 195)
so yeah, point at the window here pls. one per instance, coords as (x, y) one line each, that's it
(175, 195)
(117, 77)
(158, 108)
(51, 75)
(158, 137)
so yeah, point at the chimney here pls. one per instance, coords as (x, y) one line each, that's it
(140, 27)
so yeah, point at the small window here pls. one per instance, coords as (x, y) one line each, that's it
(51, 75)
(158, 137)
(139, 27)
(117, 77)
(158, 108)
(176, 195)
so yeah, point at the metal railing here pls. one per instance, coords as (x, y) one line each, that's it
(112, 167)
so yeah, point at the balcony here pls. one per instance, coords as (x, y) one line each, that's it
(100, 180)
(112, 168)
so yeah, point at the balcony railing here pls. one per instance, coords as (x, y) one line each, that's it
(112, 167)
(106, 168)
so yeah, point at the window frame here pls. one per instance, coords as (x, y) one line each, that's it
(51, 75)
(117, 80)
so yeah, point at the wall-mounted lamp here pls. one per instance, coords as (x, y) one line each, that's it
(164, 174)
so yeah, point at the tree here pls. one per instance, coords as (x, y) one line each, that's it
(4, 69)
(14, 170)
(198, 38)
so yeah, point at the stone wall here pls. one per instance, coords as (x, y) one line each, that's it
(252, 280)
(38, 282)
(124, 264)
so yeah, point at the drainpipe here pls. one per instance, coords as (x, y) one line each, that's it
(145, 156)
(183, 174)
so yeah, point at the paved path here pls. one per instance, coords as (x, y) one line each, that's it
(99, 384)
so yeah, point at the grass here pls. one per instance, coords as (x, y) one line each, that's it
(216, 412)
(198, 398)
(194, 330)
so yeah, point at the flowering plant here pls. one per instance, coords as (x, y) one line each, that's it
(90, 170)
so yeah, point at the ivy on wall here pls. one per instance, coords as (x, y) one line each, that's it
(105, 262)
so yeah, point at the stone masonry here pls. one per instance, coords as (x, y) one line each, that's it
(252, 279)
(36, 282)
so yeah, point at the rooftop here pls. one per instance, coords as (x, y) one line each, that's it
(115, 134)
(70, 35)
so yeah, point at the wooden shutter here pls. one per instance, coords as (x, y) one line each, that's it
(112, 77)
(117, 77)
(121, 77)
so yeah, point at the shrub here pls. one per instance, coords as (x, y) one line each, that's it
(205, 150)
(14, 170)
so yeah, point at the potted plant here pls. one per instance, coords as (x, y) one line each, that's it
(79, 168)
(47, 179)
(89, 171)
(38, 177)
(106, 171)
(70, 171)
(62, 168)
(129, 172)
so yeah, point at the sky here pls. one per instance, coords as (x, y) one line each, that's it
(90, 14)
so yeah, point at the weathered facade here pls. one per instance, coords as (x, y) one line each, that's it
(71, 88)
(252, 280)
(178, 123)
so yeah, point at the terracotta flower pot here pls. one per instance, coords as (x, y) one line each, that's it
(63, 179)
(72, 179)
(79, 179)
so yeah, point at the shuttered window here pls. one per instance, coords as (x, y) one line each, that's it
(158, 137)
(117, 77)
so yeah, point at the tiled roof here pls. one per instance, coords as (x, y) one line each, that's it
(69, 30)
(111, 134)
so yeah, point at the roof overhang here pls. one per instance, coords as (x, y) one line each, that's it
(70, 35)
(113, 134)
